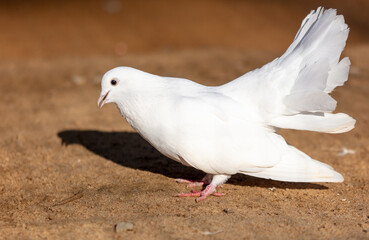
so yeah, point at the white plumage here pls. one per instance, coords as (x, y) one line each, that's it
(231, 128)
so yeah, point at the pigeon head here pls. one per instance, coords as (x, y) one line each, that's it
(120, 82)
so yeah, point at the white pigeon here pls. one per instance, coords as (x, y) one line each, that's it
(231, 128)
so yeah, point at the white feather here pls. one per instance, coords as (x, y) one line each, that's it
(295, 166)
(338, 75)
(323, 122)
(309, 101)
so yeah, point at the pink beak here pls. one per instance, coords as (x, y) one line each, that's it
(102, 99)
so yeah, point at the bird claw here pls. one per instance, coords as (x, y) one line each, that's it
(190, 194)
(181, 180)
(191, 183)
(201, 195)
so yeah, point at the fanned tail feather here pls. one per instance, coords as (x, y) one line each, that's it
(319, 44)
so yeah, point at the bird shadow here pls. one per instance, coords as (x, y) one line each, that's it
(131, 150)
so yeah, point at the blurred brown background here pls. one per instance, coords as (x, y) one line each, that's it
(51, 29)
(71, 171)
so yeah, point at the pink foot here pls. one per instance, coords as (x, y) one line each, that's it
(196, 183)
(201, 195)
(191, 183)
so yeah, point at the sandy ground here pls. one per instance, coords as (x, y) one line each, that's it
(71, 171)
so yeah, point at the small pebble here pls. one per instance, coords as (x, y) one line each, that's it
(272, 189)
(227, 210)
(211, 233)
(345, 151)
(123, 226)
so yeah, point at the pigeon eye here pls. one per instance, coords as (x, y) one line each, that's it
(113, 82)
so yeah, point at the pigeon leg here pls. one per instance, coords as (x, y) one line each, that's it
(196, 183)
(209, 190)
